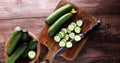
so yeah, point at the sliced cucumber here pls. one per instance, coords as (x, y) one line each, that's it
(59, 35)
(64, 30)
(69, 44)
(77, 38)
(62, 34)
(71, 27)
(77, 29)
(79, 22)
(72, 35)
(31, 54)
(64, 40)
(66, 37)
(68, 31)
(73, 23)
(57, 38)
(62, 44)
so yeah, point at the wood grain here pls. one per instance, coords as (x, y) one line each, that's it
(103, 46)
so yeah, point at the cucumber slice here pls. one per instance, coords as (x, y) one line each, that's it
(31, 54)
(68, 31)
(57, 38)
(77, 38)
(71, 27)
(69, 44)
(62, 44)
(64, 40)
(77, 29)
(62, 34)
(64, 30)
(79, 22)
(73, 23)
(72, 35)
(66, 37)
(59, 35)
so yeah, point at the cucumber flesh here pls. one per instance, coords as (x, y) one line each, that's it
(79, 22)
(64, 40)
(71, 27)
(68, 31)
(31, 54)
(62, 44)
(73, 23)
(64, 30)
(59, 35)
(62, 34)
(77, 29)
(69, 44)
(77, 38)
(57, 38)
(66, 37)
(72, 35)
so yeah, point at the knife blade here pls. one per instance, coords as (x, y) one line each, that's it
(62, 49)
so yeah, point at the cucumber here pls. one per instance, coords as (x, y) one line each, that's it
(62, 44)
(79, 22)
(14, 39)
(66, 37)
(64, 30)
(25, 37)
(62, 34)
(77, 38)
(69, 44)
(53, 29)
(58, 13)
(32, 45)
(18, 52)
(77, 29)
(57, 38)
(68, 31)
(31, 54)
(72, 35)
(71, 27)
(73, 23)
(64, 40)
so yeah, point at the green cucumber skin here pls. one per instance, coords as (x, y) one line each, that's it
(16, 54)
(14, 39)
(52, 30)
(31, 46)
(58, 13)
(25, 37)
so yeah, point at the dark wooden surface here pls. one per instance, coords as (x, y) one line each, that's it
(103, 46)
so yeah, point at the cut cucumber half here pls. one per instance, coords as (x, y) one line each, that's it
(57, 38)
(77, 38)
(79, 22)
(62, 44)
(62, 34)
(31, 54)
(72, 35)
(77, 29)
(71, 27)
(66, 37)
(73, 23)
(69, 44)
(64, 30)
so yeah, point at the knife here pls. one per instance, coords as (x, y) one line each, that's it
(62, 49)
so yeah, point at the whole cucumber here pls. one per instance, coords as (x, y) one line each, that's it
(58, 13)
(52, 30)
(14, 39)
(31, 46)
(16, 54)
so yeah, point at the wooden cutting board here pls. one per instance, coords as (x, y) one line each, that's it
(52, 46)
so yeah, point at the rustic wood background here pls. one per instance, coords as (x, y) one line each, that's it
(103, 46)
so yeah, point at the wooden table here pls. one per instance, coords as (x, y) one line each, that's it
(103, 46)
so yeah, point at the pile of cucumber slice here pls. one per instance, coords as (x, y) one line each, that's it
(64, 36)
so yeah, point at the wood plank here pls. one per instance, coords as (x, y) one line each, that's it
(11, 9)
